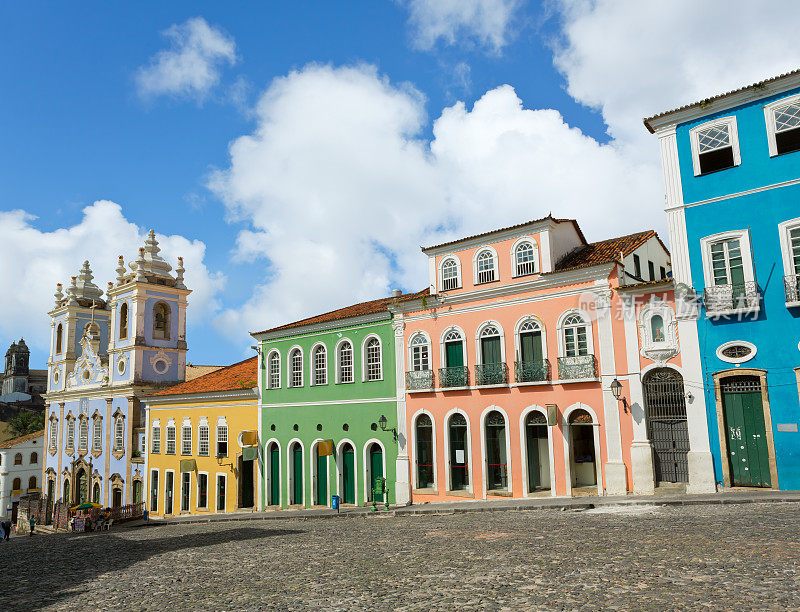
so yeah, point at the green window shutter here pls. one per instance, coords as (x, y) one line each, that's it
(454, 355)
(531, 347)
(490, 350)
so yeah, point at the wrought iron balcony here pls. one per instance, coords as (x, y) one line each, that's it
(532, 371)
(454, 377)
(491, 374)
(419, 380)
(577, 368)
(791, 285)
(730, 299)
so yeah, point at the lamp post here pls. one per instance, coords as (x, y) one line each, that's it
(616, 390)
(382, 423)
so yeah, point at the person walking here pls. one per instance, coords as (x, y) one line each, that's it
(33, 525)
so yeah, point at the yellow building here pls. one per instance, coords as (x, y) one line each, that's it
(202, 443)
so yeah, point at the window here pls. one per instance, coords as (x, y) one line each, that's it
(794, 250)
(525, 259)
(274, 370)
(657, 328)
(420, 351)
(161, 324)
(485, 267)
(663, 272)
(119, 434)
(491, 345)
(651, 269)
(83, 435)
(726, 262)
(320, 366)
(221, 492)
(34, 458)
(715, 146)
(31, 482)
(59, 335)
(345, 357)
(425, 467)
(296, 364)
(18, 460)
(783, 125)
(53, 433)
(496, 459)
(186, 439)
(222, 440)
(71, 433)
(637, 267)
(736, 351)
(789, 232)
(123, 321)
(575, 337)
(202, 441)
(185, 484)
(459, 452)
(450, 274)
(202, 490)
(155, 444)
(372, 351)
(154, 491)
(170, 449)
(16, 485)
(97, 434)
(728, 271)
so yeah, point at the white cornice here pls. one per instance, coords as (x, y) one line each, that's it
(180, 398)
(331, 402)
(739, 194)
(98, 393)
(497, 236)
(310, 330)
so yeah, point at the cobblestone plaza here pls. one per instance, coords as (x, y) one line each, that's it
(715, 557)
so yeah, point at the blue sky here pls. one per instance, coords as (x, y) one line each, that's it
(467, 103)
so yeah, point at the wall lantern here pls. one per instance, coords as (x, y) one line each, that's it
(382, 423)
(616, 390)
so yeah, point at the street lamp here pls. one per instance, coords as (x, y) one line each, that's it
(616, 390)
(382, 423)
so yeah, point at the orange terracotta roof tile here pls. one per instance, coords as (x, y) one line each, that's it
(26, 438)
(653, 283)
(605, 251)
(356, 310)
(242, 375)
(502, 229)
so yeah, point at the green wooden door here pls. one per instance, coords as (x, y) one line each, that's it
(490, 350)
(375, 468)
(297, 469)
(349, 476)
(454, 355)
(746, 435)
(531, 347)
(322, 480)
(274, 476)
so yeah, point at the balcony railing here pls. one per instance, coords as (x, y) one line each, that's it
(491, 374)
(531, 371)
(791, 285)
(419, 379)
(723, 299)
(454, 377)
(577, 368)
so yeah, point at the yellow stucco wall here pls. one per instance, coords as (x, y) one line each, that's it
(240, 415)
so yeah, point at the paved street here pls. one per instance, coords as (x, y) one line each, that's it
(718, 557)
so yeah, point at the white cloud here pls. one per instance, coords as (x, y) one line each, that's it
(635, 59)
(487, 22)
(341, 190)
(33, 261)
(191, 66)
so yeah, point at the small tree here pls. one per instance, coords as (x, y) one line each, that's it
(26, 423)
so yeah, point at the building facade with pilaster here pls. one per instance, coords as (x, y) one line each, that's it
(731, 168)
(107, 350)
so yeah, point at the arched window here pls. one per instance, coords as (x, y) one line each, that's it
(18, 459)
(71, 433)
(83, 435)
(486, 267)
(459, 452)
(34, 458)
(525, 259)
(496, 459)
(119, 433)
(657, 328)
(97, 434)
(296, 364)
(530, 352)
(320, 365)
(420, 353)
(425, 467)
(575, 336)
(32, 482)
(450, 278)
(372, 358)
(454, 374)
(161, 323)
(274, 365)
(345, 358)
(59, 336)
(17, 484)
(490, 345)
(123, 321)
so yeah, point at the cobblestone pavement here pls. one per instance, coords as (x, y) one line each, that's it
(713, 557)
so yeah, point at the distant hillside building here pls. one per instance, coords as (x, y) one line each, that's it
(18, 378)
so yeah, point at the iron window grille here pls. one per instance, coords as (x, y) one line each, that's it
(491, 374)
(419, 379)
(454, 377)
(526, 262)
(486, 267)
(791, 286)
(577, 367)
(532, 371)
(721, 299)
(373, 351)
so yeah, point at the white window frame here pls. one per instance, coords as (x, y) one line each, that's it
(119, 440)
(364, 361)
(197, 493)
(518, 344)
(201, 426)
(171, 429)
(478, 336)
(743, 236)
(270, 381)
(313, 365)
(478, 251)
(733, 134)
(786, 250)
(459, 278)
(290, 383)
(411, 345)
(180, 499)
(70, 432)
(155, 440)
(769, 118)
(186, 437)
(468, 450)
(562, 345)
(514, 265)
(748, 357)
(97, 426)
(443, 353)
(222, 425)
(414, 440)
(339, 380)
(83, 427)
(54, 433)
(150, 492)
(216, 492)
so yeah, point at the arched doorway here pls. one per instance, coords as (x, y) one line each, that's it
(296, 474)
(424, 448)
(96, 493)
(583, 454)
(274, 491)
(374, 470)
(65, 497)
(459, 452)
(137, 491)
(348, 474)
(538, 452)
(82, 486)
(665, 406)
(496, 457)
(321, 477)
(116, 497)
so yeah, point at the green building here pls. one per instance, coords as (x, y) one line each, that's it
(329, 384)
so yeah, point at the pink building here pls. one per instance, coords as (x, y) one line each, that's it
(509, 364)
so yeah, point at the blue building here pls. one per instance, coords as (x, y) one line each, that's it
(106, 352)
(732, 172)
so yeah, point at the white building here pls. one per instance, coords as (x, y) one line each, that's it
(20, 471)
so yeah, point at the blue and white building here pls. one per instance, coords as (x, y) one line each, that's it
(732, 171)
(106, 352)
